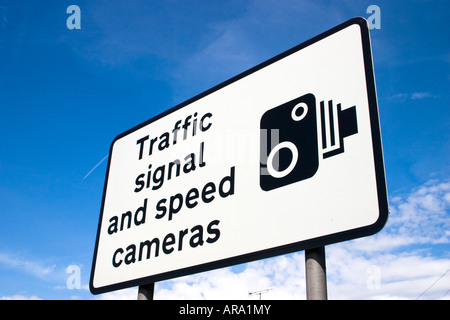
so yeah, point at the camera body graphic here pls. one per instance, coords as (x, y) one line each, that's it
(290, 149)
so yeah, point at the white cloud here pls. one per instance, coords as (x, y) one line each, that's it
(284, 275)
(125, 294)
(413, 96)
(35, 268)
(420, 95)
(20, 297)
(422, 216)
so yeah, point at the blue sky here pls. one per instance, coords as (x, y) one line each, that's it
(65, 94)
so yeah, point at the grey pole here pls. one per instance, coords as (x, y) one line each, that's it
(316, 275)
(146, 291)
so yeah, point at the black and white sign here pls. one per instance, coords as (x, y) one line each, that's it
(284, 157)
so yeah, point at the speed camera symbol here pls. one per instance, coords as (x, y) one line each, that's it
(289, 143)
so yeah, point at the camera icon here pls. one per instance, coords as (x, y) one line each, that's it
(289, 141)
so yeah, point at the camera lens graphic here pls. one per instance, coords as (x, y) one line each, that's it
(270, 163)
(294, 115)
(289, 145)
(274, 172)
(289, 152)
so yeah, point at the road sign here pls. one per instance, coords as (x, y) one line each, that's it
(284, 157)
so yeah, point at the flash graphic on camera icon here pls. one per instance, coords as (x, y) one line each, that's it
(289, 142)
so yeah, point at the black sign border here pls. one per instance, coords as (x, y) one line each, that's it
(297, 246)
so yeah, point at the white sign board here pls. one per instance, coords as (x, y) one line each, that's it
(283, 157)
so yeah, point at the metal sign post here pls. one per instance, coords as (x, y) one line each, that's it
(316, 275)
(146, 291)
